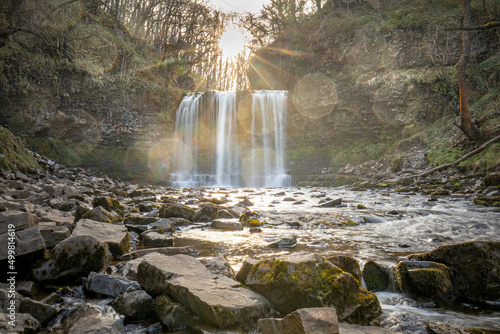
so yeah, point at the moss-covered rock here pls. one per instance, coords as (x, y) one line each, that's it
(109, 204)
(303, 280)
(424, 278)
(173, 210)
(74, 257)
(207, 212)
(347, 264)
(475, 266)
(376, 276)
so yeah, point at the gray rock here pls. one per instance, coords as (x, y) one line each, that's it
(20, 220)
(135, 305)
(321, 320)
(346, 328)
(53, 234)
(217, 299)
(101, 215)
(227, 224)
(171, 314)
(187, 250)
(302, 280)
(116, 236)
(25, 324)
(207, 212)
(74, 257)
(39, 310)
(172, 210)
(245, 269)
(87, 319)
(331, 204)
(285, 242)
(155, 239)
(220, 265)
(109, 285)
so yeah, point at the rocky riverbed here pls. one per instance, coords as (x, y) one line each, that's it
(97, 255)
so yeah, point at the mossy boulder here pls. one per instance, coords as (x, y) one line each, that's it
(376, 276)
(492, 179)
(348, 264)
(424, 278)
(174, 210)
(207, 212)
(173, 315)
(109, 204)
(488, 201)
(101, 215)
(475, 268)
(74, 257)
(135, 306)
(304, 280)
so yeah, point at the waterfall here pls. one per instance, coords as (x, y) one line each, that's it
(229, 139)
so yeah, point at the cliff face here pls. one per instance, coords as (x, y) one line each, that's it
(365, 70)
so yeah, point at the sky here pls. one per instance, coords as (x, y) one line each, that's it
(240, 6)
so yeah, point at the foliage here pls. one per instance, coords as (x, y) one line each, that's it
(13, 154)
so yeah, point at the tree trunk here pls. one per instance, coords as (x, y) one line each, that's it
(466, 124)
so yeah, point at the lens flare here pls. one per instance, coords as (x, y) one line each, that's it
(315, 95)
(161, 159)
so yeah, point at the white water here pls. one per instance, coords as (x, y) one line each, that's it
(224, 151)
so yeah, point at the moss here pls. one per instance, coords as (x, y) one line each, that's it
(13, 154)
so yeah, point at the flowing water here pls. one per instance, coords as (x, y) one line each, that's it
(231, 139)
(391, 227)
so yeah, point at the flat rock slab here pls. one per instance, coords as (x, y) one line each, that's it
(321, 320)
(116, 236)
(20, 220)
(217, 299)
(346, 328)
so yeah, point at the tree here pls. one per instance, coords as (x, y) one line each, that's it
(466, 125)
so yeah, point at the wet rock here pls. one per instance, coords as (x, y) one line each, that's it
(347, 264)
(440, 192)
(74, 257)
(250, 219)
(245, 202)
(138, 219)
(20, 220)
(53, 234)
(39, 310)
(108, 285)
(87, 319)
(375, 276)
(187, 250)
(101, 215)
(217, 299)
(321, 320)
(424, 278)
(174, 316)
(207, 212)
(227, 224)
(219, 265)
(285, 242)
(475, 266)
(116, 236)
(27, 288)
(135, 306)
(434, 328)
(172, 210)
(25, 324)
(488, 201)
(155, 239)
(302, 280)
(331, 204)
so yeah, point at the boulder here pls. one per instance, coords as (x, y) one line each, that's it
(116, 236)
(171, 314)
(346, 328)
(74, 257)
(375, 276)
(25, 324)
(40, 311)
(246, 266)
(53, 234)
(28, 241)
(331, 204)
(20, 220)
(424, 278)
(138, 219)
(173, 210)
(227, 224)
(108, 203)
(217, 299)
(492, 179)
(475, 268)
(284, 242)
(87, 319)
(108, 285)
(220, 265)
(321, 320)
(155, 239)
(207, 212)
(302, 280)
(348, 264)
(101, 215)
(187, 250)
(135, 305)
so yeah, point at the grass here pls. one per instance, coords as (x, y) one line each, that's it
(13, 154)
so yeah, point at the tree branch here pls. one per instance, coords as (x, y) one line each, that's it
(487, 26)
(465, 157)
